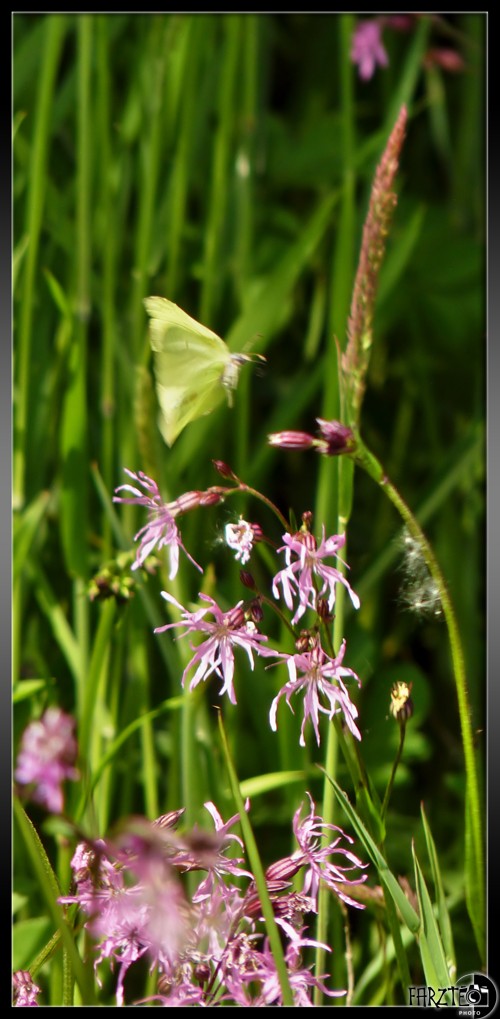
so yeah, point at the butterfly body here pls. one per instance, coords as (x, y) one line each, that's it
(193, 366)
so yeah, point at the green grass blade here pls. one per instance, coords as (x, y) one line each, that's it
(386, 877)
(429, 939)
(26, 530)
(54, 31)
(442, 908)
(474, 876)
(48, 884)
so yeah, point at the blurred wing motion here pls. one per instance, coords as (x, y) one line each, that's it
(193, 366)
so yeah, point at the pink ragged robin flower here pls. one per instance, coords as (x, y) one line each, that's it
(161, 531)
(305, 565)
(316, 856)
(319, 676)
(261, 975)
(25, 990)
(215, 654)
(126, 916)
(47, 757)
(367, 48)
(205, 850)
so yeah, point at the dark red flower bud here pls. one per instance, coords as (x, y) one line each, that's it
(339, 438)
(447, 59)
(323, 611)
(212, 496)
(224, 470)
(256, 611)
(305, 641)
(247, 579)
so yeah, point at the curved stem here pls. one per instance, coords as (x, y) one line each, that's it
(369, 463)
(388, 791)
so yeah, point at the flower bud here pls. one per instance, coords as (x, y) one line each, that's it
(186, 501)
(447, 59)
(305, 642)
(212, 496)
(235, 617)
(202, 972)
(323, 611)
(255, 611)
(401, 706)
(284, 869)
(224, 470)
(247, 579)
(338, 437)
(292, 440)
(169, 820)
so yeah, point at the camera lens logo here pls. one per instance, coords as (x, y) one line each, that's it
(478, 995)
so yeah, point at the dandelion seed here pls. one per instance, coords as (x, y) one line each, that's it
(419, 591)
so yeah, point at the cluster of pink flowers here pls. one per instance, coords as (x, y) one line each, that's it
(306, 582)
(209, 949)
(25, 991)
(47, 757)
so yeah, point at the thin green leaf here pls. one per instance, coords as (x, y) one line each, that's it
(17, 259)
(260, 318)
(443, 913)
(27, 938)
(474, 885)
(56, 618)
(51, 892)
(429, 939)
(265, 783)
(60, 299)
(26, 530)
(386, 877)
(400, 254)
(26, 688)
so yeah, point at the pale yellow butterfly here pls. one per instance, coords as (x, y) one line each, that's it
(193, 366)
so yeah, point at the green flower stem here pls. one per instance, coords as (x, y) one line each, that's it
(259, 876)
(365, 459)
(388, 791)
(328, 807)
(242, 487)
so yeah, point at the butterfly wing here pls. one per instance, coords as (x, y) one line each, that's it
(190, 362)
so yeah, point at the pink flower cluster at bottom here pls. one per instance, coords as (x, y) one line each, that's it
(211, 949)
